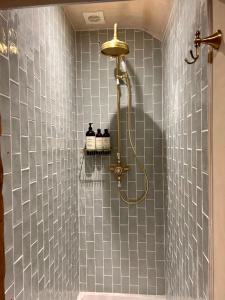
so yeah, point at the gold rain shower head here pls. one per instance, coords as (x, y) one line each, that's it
(115, 47)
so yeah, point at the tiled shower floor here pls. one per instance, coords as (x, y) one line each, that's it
(107, 296)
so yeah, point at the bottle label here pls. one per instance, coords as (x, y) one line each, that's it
(99, 145)
(90, 142)
(106, 143)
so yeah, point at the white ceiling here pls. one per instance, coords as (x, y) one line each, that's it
(149, 15)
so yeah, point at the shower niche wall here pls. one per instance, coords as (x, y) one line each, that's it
(121, 247)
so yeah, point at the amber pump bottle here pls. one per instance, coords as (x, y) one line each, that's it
(90, 139)
(106, 140)
(98, 140)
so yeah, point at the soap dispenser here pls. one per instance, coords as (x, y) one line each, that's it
(90, 139)
(106, 140)
(98, 141)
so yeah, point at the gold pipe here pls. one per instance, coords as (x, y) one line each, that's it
(115, 31)
(123, 196)
(118, 108)
(119, 169)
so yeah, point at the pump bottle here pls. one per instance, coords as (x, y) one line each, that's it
(90, 139)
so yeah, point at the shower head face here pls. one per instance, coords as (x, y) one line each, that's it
(115, 47)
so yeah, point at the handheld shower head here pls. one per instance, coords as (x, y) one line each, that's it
(123, 65)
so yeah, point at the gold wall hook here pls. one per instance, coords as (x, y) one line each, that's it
(213, 40)
(194, 57)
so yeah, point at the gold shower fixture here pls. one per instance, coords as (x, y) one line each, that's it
(115, 47)
(213, 40)
(118, 49)
(118, 170)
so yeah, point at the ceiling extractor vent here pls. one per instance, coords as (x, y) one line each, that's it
(96, 17)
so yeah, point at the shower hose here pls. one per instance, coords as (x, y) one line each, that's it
(123, 195)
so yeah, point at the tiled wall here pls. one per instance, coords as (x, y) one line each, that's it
(121, 247)
(185, 153)
(37, 104)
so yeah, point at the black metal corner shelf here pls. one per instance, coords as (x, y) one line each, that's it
(96, 152)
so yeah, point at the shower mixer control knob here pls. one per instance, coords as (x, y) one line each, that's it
(118, 170)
